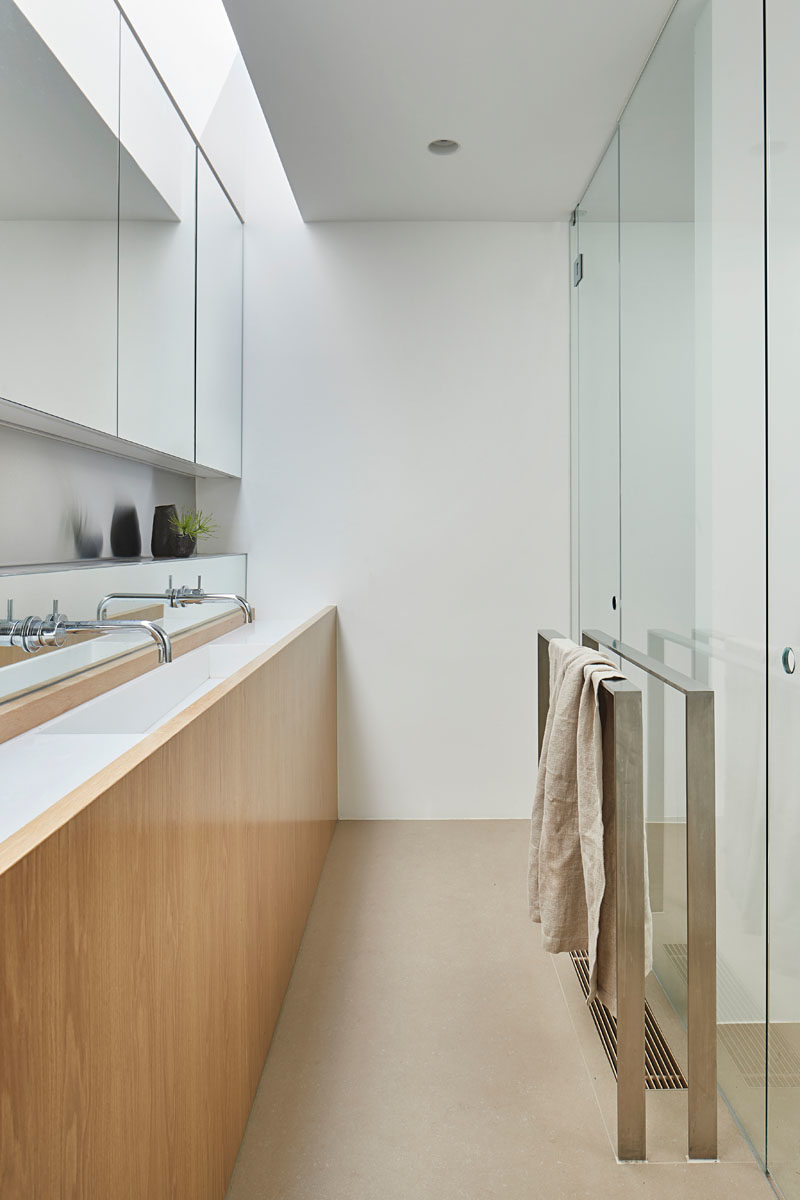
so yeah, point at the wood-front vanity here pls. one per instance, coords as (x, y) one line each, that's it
(150, 921)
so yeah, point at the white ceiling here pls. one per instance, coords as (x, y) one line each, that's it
(353, 91)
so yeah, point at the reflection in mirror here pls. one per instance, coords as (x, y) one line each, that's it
(58, 209)
(80, 590)
(219, 327)
(156, 262)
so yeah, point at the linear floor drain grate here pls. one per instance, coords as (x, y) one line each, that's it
(742, 1037)
(662, 1072)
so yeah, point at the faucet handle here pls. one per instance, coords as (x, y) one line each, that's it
(169, 585)
(54, 635)
(199, 583)
(10, 610)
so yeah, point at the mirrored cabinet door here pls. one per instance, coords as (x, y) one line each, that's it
(58, 208)
(156, 262)
(219, 327)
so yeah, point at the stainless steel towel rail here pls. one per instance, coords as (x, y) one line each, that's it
(701, 897)
(702, 653)
(621, 719)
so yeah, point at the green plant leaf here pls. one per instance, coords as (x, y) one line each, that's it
(194, 523)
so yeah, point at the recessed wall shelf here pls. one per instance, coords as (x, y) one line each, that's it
(93, 564)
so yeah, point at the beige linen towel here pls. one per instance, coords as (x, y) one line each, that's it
(569, 857)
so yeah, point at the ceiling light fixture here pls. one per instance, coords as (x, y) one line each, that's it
(443, 146)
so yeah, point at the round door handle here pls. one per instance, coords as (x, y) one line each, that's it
(788, 660)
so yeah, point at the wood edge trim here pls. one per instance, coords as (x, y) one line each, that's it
(40, 828)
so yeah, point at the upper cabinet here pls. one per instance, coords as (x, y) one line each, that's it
(156, 262)
(120, 254)
(58, 209)
(219, 327)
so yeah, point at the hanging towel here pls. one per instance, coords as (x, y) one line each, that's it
(569, 859)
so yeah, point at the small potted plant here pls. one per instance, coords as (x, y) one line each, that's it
(187, 525)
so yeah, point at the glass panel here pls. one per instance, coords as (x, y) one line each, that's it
(657, 448)
(596, 306)
(692, 483)
(156, 262)
(58, 208)
(783, 112)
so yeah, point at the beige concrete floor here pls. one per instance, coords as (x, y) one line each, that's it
(428, 1049)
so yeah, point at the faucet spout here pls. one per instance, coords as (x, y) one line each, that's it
(34, 633)
(245, 605)
(167, 597)
(180, 598)
(159, 636)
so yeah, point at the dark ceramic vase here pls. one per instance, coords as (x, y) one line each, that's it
(163, 541)
(126, 540)
(184, 545)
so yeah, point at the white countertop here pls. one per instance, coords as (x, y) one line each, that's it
(40, 767)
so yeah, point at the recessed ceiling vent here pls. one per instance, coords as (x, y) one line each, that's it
(443, 146)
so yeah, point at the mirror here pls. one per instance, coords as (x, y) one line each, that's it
(79, 591)
(58, 208)
(219, 327)
(120, 253)
(156, 262)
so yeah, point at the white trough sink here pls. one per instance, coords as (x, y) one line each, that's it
(145, 703)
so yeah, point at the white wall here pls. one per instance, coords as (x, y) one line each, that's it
(40, 479)
(406, 457)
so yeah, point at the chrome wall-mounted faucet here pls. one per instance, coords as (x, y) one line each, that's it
(32, 634)
(180, 597)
